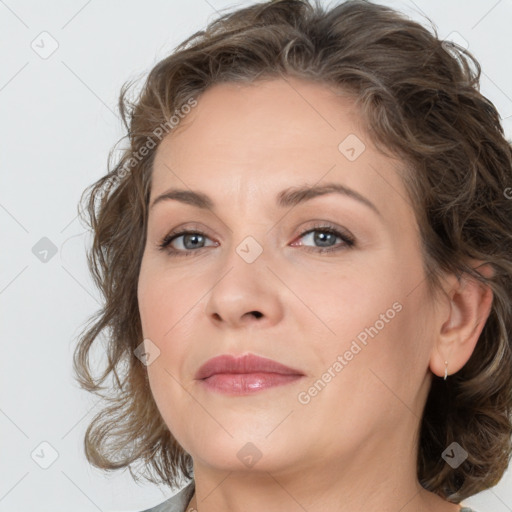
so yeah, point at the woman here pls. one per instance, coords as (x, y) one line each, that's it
(305, 258)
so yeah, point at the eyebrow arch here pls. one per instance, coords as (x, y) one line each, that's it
(293, 196)
(285, 199)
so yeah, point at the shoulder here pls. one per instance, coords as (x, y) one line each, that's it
(178, 502)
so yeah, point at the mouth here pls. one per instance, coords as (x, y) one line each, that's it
(244, 375)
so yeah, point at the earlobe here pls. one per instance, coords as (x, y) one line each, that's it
(470, 303)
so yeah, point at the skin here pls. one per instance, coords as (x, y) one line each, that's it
(353, 446)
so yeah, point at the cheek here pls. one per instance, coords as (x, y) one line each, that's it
(394, 357)
(371, 371)
(160, 312)
(165, 301)
(167, 310)
(353, 302)
(378, 318)
(172, 400)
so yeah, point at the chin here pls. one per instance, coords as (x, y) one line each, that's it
(242, 453)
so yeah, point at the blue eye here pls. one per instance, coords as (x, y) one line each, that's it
(193, 241)
(325, 235)
(191, 238)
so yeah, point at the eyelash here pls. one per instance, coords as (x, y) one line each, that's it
(348, 241)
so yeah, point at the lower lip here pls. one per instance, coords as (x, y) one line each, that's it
(246, 383)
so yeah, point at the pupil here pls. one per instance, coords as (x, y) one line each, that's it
(189, 237)
(321, 238)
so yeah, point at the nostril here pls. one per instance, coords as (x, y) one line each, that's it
(257, 314)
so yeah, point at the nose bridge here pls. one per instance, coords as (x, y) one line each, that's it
(250, 249)
(248, 232)
(246, 259)
(243, 283)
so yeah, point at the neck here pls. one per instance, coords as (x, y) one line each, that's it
(352, 487)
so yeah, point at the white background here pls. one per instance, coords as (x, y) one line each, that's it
(58, 121)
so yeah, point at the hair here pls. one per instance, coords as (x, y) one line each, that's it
(420, 102)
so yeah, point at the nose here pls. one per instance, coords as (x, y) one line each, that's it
(246, 294)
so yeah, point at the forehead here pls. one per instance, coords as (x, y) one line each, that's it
(289, 114)
(242, 140)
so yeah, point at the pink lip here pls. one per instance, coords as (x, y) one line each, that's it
(246, 374)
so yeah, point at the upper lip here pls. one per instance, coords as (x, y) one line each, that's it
(248, 363)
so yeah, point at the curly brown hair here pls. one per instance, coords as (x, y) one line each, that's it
(420, 101)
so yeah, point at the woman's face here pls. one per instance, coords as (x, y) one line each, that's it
(354, 321)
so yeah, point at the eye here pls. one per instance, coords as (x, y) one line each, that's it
(191, 241)
(325, 237)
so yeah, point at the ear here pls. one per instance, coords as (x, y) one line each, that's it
(462, 318)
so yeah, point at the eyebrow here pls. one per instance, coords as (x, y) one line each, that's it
(285, 199)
